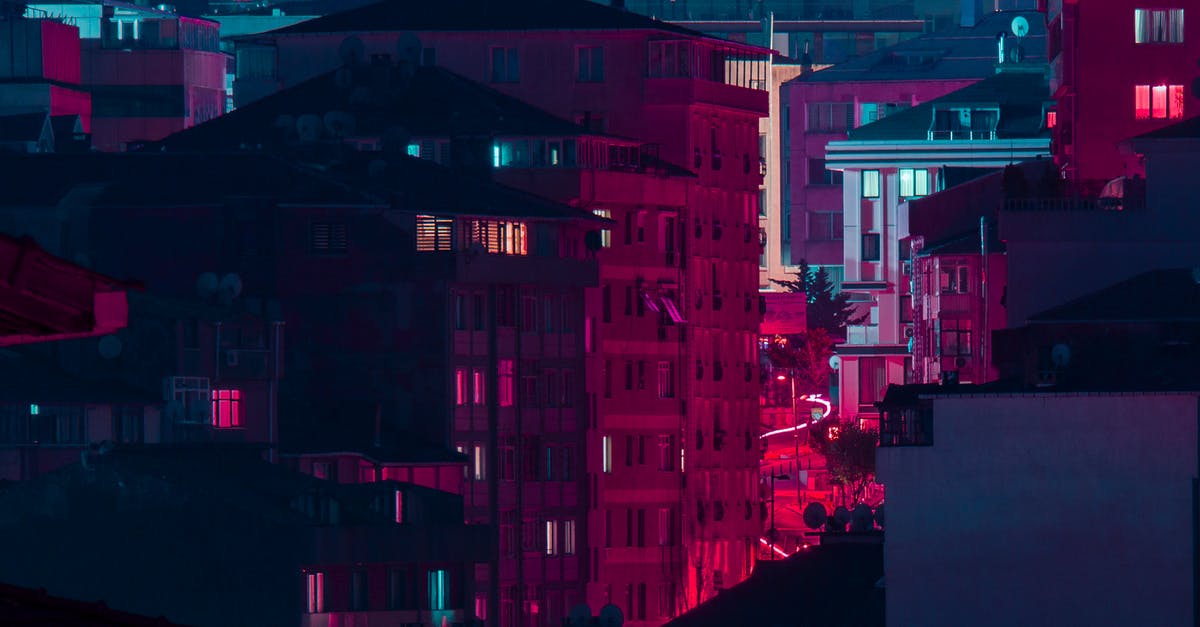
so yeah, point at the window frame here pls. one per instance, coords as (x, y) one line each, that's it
(870, 183)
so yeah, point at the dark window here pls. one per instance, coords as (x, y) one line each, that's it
(825, 226)
(479, 308)
(398, 598)
(358, 590)
(870, 247)
(590, 64)
(328, 238)
(506, 67)
(818, 175)
(830, 117)
(139, 101)
(606, 302)
(872, 377)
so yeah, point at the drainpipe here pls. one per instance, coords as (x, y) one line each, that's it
(983, 272)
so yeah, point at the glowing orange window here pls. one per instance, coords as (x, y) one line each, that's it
(226, 408)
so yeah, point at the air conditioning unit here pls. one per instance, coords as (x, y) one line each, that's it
(231, 358)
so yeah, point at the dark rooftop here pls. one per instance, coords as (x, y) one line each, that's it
(966, 243)
(26, 606)
(1020, 96)
(1186, 129)
(956, 53)
(28, 379)
(23, 127)
(483, 15)
(824, 586)
(1157, 296)
(166, 180)
(433, 102)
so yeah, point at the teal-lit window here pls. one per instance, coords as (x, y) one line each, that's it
(414, 150)
(33, 410)
(438, 588)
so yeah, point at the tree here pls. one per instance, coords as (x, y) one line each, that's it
(849, 456)
(805, 356)
(826, 310)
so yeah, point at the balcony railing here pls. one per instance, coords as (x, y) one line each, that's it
(962, 135)
(1074, 204)
(911, 426)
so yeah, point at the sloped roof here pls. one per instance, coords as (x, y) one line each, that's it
(23, 127)
(482, 15)
(1019, 95)
(1169, 295)
(1187, 129)
(966, 243)
(433, 102)
(137, 179)
(955, 53)
(26, 606)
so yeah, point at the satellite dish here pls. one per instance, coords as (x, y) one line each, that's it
(815, 515)
(1020, 26)
(908, 331)
(206, 284)
(611, 616)
(861, 519)
(580, 615)
(842, 515)
(230, 288)
(1016, 54)
(835, 362)
(309, 127)
(352, 51)
(339, 124)
(1060, 355)
(110, 347)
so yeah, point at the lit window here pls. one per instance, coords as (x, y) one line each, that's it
(414, 150)
(1158, 26)
(438, 593)
(914, 183)
(551, 537)
(477, 387)
(498, 238)
(606, 453)
(33, 410)
(506, 383)
(1158, 101)
(316, 592)
(399, 507)
(870, 184)
(480, 461)
(226, 406)
(434, 234)
(460, 386)
(605, 234)
(1051, 119)
(955, 279)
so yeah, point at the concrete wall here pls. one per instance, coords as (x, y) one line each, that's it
(1045, 510)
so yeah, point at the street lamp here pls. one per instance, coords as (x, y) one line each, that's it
(772, 531)
(791, 377)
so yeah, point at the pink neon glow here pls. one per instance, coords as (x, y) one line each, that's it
(777, 550)
(226, 405)
(812, 398)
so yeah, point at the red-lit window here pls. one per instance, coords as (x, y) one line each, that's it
(477, 387)
(399, 507)
(460, 386)
(226, 408)
(1158, 101)
(1051, 119)
(505, 393)
(316, 592)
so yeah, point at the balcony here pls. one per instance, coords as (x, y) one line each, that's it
(686, 91)
(862, 335)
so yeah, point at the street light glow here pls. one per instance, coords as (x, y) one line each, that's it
(812, 398)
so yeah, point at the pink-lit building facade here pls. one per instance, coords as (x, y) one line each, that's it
(1120, 69)
(40, 69)
(583, 61)
(150, 72)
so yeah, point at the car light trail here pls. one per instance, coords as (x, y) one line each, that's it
(777, 550)
(812, 398)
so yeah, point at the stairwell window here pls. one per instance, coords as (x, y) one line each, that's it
(1158, 26)
(606, 453)
(315, 588)
(589, 64)
(226, 409)
(666, 379)
(605, 234)
(870, 247)
(328, 238)
(439, 589)
(1158, 101)
(506, 65)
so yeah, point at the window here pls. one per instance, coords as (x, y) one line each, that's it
(506, 67)
(226, 406)
(666, 379)
(818, 175)
(608, 385)
(1158, 101)
(460, 386)
(664, 526)
(954, 337)
(641, 374)
(567, 391)
(553, 389)
(438, 589)
(606, 303)
(129, 423)
(870, 247)
(508, 463)
(568, 537)
(589, 64)
(414, 150)
(399, 508)
(605, 234)
(666, 599)
(628, 375)
(479, 462)
(258, 62)
(906, 308)
(551, 537)
(830, 117)
(528, 314)
(328, 238)
(954, 279)
(358, 590)
(1051, 119)
(825, 226)
(606, 453)
(498, 237)
(914, 183)
(434, 234)
(315, 592)
(505, 393)
(460, 312)
(479, 312)
(870, 184)
(1158, 26)
(397, 589)
(872, 380)
(477, 387)
(666, 452)
(529, 391)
